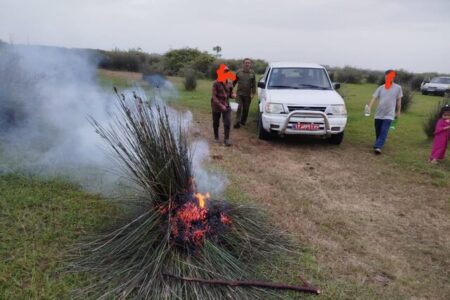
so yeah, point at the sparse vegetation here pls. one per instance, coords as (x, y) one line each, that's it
(190, 80)
(408, 98)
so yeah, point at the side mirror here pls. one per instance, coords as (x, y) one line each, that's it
(336, 85)
(261, 84)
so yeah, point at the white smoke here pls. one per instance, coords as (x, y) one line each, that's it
(207, 181)
(46, 97)
(44, 112)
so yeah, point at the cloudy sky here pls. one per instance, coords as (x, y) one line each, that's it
(377, 34)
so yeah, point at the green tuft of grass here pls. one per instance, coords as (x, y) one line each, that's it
(40, 221)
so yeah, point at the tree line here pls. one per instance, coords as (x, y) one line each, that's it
(202, 64)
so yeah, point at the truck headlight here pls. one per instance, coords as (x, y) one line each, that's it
(338, 109)
(274, 108)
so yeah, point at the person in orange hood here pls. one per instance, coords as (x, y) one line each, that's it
(222, 91)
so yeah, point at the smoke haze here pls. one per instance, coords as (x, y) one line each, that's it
(46, 97)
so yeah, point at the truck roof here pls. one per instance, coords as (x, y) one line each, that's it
(287, 64)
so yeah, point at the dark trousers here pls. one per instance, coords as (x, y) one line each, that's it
(242, 112)
(381, 132)
(226, 119)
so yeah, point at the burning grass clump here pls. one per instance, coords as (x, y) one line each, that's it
(172, 231)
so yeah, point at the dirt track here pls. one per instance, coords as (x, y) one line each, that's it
(369, 222)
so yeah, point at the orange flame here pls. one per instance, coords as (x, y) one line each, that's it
(201, 199)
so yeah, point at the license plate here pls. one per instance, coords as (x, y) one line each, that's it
(305, 126)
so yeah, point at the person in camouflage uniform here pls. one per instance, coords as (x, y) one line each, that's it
(246, 90)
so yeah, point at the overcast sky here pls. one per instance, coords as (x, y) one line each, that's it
(377, 34)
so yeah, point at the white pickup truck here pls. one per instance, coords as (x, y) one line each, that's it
(299, 98)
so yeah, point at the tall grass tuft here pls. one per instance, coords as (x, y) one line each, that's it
(130, 260)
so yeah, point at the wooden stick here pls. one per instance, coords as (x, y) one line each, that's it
(269, 285)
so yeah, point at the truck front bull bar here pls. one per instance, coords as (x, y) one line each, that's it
(306, 114)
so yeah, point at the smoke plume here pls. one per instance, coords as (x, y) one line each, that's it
(46, 97)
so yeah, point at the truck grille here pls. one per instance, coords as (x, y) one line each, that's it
(317, 108)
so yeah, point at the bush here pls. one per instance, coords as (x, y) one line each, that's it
(201, 64)
(416, 82)
(259, 66)
(176, 60)
(430, 122)
(119, 60)
(190, 80)
(403, 77)
(349, 75)
(407, 98)
(374, 77)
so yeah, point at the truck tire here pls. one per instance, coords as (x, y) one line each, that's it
(262, 133)
(424, 93)
(336, 139)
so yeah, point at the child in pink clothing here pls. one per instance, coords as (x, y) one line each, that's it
(441, 135)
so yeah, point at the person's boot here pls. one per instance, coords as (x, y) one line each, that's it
(226, 143)
(237, 125)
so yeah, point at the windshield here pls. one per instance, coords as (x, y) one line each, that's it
(299, 78)
(440, 80)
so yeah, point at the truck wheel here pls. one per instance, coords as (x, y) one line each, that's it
(336, 139)
(262, 133)
(424, 93)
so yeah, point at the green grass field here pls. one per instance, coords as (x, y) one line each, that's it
(42, 218)
(407, 147)
(40, 221)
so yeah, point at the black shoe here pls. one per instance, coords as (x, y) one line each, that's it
(237, 126)
(377, 151)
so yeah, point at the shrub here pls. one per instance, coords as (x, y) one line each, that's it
(176, 60)
(374, 77)
(119, 60)
(190, 80)
(201, 64)
(416, 82)
(259, 66)
(349, 75)
(430, 122)
(407, 98)
(403, 77)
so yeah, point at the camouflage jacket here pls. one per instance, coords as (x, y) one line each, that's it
(246, 83)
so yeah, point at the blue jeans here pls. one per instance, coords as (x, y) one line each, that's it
(381, 131)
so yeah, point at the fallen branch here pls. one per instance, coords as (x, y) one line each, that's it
(307, 288)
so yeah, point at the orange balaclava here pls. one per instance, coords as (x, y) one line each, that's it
(223, 73)
(389, 79)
